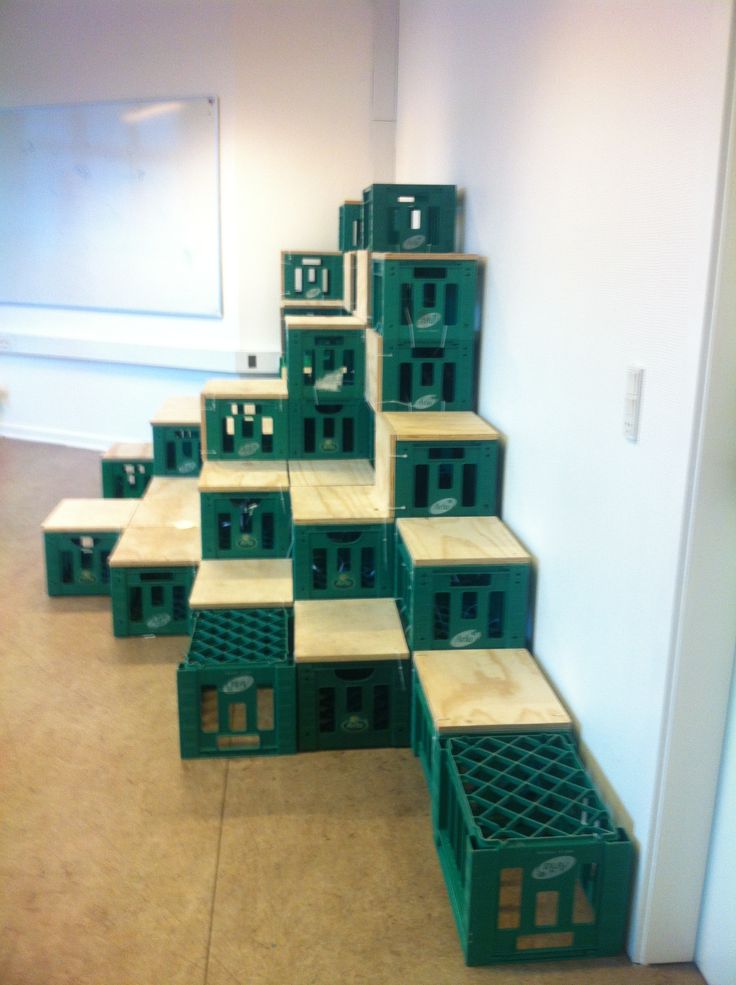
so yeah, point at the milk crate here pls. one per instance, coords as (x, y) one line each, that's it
(353, 674)
(237, 686)
(343, 561)
(409, 218)
(311, 276)
(126, 470)
(427, 301)
(245, 419)
(325, 361)
(533, 863)
(329, 429)
(79, 536)
(402, 378)
(477, 692)
(177, 437)
(461, 582)
(438, 464)
(350, 227)
(152, 570)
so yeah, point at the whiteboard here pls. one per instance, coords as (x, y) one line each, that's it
(112, 206)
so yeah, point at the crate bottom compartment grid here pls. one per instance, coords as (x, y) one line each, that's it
(237, 686)
(534, 866)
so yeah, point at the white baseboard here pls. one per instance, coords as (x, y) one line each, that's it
(55, 436)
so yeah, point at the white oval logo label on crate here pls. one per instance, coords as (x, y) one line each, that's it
(414, 242)
(429, 320)
(466, 638)
(248, 448)
(236, 685)
(247, 541)
(313, 292)
(424, 403)
(443, 506)
(344, 581)
(88, 576)
(159, 621)
(354, 723)
(187, 467)
(554, 867)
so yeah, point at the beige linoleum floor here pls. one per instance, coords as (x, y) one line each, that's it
(121, 865)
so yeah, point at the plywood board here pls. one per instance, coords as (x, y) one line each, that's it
(363, 284)
(488, 691)
(347, 280)
(437, 257)
(178, 410)
(348, 630)
(128, 451)
(325, 303)
(267, 388)
(236, 584)
(449, 540)
(374, 370)
(169, 502)
(331, 472)
(157, 547)
(451, 425)
(337, 504)
(385, 449)
(312, 322)
(90, 515)
(256, 476)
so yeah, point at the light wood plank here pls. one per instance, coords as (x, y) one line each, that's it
(363, 284)
(347, 630)
(243, 584)
(437, 257)
(333, 322)
(451, 425)
(169, 502)
(130, 451)
(385, 449)
(331, 472)
(265, 388)
(374, 370)
(337, 504)
(347, 280)
(488, 691)
(449, 540)
(157, 547)
(90, 515)
(226, 476)
(324, 303)
(178, 410)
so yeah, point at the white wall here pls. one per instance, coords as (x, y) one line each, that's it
(298, 137)
(587, 140)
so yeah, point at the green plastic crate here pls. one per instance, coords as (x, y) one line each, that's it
(533, 864)
(312, 276)
(409, 218)
(237, 685)
(176, 449)
(350, 229)
(76, 563)
(447, 607)
(329, 429)
(243, 525)
(356, 705)
(151, 600)
(424, 302)
(246, 429)
(125, 479)
(425, 742)
(446, 478)
(340, 561)
(323, 364)
(428, 378)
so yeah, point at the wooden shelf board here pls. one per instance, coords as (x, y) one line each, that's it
(347, 630)
(90, 515)
(255, 476)
(157, 547)
(178, 410)
(337, 504)
(451, 425)
(464, 540)
(243, 584)
(268, 388)
(331, 472)
(130, 451)
(169, 502)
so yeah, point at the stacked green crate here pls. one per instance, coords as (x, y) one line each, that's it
(245, 419)
(311, 276)
(409, 218)
(126, 470)
(353, 674)
(350, 226)
(177, 437)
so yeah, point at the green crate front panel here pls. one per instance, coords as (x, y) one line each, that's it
(176, 450)
(428, 378)
(534, 866)
(328, 430)
(325, 364)
(354, 705)
(76, 563)
(151, 601)
(336, 562)
(237, 686)
(312, 277)
(242, 430)
(463, 607)
(425, 302)
(424, 738)
(446, 478)
(409, 218)
(125, 480)
(350, 230)
(243, 525)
